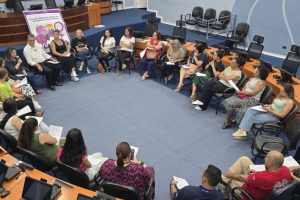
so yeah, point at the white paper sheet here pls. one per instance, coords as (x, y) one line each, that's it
(200, 74)
(259, 108)
(186, 66)
(56, 131)
(181, 183)
(170, 63)
(20, 75)
(39, 119)
(288, 162)
(53, 62)
(24, 111)
(142, 53)
(233, 85)
(23, 82)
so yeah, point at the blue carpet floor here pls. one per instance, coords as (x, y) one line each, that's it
(173, 137)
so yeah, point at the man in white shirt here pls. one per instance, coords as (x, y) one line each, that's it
(43, 62)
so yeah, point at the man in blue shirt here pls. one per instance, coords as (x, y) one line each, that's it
(206, 191)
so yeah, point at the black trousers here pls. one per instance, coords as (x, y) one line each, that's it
(51, 72)
(27, 101)
(208, 90)
(103, 58)
(122, 55)
(167, 70)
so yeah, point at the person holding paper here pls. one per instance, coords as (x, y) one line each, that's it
(219, 85)
(62, 52)
(258, 184)
(127, 172)
(174, 56)
(126, 48)
(280, 107)
(39, 59)
(197, 60)
(40, 143)
(212, 69)
(16, 69)
(74, 154)
(207, 190)
(107, 49)
(79, 44)
(153, 51)
(248, 97)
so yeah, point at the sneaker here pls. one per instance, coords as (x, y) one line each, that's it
(88, 71)
(74, 78)
(198, 108)
(36, 105)
(118, 73)
(123, 66)
(81, 66)
(73, 74)
(240, 134)
(197, 102)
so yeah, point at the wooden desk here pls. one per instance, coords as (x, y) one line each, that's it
(94, 14)
(16, 184)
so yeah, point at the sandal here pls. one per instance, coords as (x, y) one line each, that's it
(193, 98)
(178, 88)
(226, 125)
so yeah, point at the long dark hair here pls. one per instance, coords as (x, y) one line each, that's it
(9, 51)
(104, 37)
(289, 89)
(10, 108)
(73, 149)
(1, 61)
(129, 29)
(123, 151)
(27, 132)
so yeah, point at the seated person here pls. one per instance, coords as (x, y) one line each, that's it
(6, 92)
(38, 58)
(25, 89)
(219, 85)
(80, 45)
(153, 51)
(248, 97)
(126, 48)
(258, 184)
(74, 154)
(212, 70)
(207, 190)
(11, 123)
(40, 143)
(62, 53)
(107, 49)
(16, 69)
(195, 63)
(126, 171)
(280, 107)
(175, 54)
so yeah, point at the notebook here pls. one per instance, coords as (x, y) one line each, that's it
(39, 190)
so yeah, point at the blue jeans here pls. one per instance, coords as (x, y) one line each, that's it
(148, 65)
(254, 116)
(83, 55)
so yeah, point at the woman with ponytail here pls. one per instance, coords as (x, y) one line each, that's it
(127, 171)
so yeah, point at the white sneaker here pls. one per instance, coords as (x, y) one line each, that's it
(81, 66)
(240, 134)
(36, 105)
(73, 74)
(198, 108)
(197, 102)
(88, 71)
(123, 66)
(74, 78)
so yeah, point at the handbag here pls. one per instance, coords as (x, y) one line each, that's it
(100, 68)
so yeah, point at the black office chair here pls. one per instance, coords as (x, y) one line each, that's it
(255, 48)
(73, 175)
(195, 17)
(285, 193)
(89, 56)
(223, 20)
(273, 128)
(239, 193)
(18, 6)
(292, 60)
(262, 144)
(229, 91)
(117, 3)
(266, 94)
(241, 31)
(180, 33)
(50, 3)
(208, 17)
(110, 57)
(10, 141)
(126, 192)
(35, 159)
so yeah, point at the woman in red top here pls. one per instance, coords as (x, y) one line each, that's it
(153, 51)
